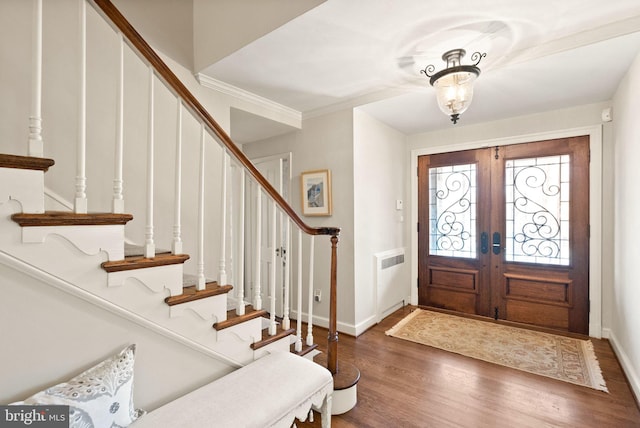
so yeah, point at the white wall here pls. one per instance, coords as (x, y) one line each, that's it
(379, 165)
(221, 28)
(50, 336)
(15, 80)
(625, 322)
(324, 142)
(367, 163)
(166, 24)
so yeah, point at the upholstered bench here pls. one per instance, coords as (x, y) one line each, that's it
(269, 392)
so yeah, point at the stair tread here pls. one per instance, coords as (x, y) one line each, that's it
(305, 349)
(68, 218)
(141, 262)
(234, 319)
(25, 162)
(190, 293)
(266, 339)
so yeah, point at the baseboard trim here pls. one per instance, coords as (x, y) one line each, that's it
(350, 329)
(342, 327)
(366, 325)
(625, 362)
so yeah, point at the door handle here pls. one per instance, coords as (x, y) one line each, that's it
(496, 243)
(484, 242)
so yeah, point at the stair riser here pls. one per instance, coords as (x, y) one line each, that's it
(25, 186)
(236, 340)
(281, 345)
(90, 240)
(156, 279)
(212, 309)
(249, 331)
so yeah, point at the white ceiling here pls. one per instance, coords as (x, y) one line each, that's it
(541, 55)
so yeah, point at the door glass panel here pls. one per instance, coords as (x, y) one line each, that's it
(537, 210)
(452, 211)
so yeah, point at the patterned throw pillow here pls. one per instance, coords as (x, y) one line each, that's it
(102, 396)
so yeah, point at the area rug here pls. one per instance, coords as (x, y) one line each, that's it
(558, 357)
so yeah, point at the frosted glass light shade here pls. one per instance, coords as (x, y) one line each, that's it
(454, 92)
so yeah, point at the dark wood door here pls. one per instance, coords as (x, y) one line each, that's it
(503, 232)
(453, 270)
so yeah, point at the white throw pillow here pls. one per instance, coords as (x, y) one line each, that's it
(102, 396)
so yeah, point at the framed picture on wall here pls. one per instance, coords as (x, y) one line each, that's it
(316, 192)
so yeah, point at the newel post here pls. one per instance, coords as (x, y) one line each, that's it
(332, 345)
(346, 377)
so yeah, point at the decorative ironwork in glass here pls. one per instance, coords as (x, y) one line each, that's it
(452, 211)
(537, 210)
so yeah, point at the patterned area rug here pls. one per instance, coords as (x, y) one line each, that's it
(558, 357)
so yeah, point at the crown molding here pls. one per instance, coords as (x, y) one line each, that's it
(247, 96)
(295, 115)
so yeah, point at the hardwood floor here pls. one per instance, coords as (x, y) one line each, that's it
(405, 384)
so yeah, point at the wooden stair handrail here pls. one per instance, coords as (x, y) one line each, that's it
(190, 101)
(113, 15)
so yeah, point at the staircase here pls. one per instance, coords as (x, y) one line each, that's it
(216, 287)
(242, 338)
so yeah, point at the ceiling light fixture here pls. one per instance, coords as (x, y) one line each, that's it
(454, 84)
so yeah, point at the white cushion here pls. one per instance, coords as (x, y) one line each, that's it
(101, 396)
(269, 392)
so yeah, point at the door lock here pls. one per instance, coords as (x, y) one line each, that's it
(496, 243)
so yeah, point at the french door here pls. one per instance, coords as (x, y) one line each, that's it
(504, 232)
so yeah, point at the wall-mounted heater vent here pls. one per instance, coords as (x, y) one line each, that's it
(392, 261)
(391, 286)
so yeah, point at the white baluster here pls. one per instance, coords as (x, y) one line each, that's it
(230, 229)
(149, 246)
(80, 203)
(310, 318)
(176, 247)
(257, 283)
(272, 271)
(202, 283)
(298, 345)
(36, 146)
(222, 276)
(240, 264)
(118, 200)
(286, 322)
